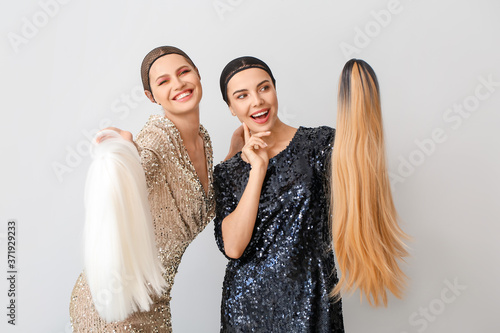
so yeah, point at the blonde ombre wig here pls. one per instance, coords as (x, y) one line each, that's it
(365, 232)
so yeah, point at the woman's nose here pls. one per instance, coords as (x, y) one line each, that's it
(179, 83)
(257, 100)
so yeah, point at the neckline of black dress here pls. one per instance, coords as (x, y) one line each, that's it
(272, 159)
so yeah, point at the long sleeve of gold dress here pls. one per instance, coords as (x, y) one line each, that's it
(180, 209)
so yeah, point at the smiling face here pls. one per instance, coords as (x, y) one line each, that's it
(175, 84)
(252, 98)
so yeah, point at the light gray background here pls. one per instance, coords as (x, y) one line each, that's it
(80, 71)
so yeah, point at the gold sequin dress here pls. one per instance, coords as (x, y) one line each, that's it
(180, 208)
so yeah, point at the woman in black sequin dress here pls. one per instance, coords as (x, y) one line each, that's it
(272, 215)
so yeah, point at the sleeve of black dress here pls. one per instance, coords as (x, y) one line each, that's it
(225, 201)
(325, 137)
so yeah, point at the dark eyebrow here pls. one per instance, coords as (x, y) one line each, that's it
(238, 91)
(241, 90)
(262, 82)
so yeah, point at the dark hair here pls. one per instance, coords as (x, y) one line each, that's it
(346, 77)
(153, 55)
(237, 65)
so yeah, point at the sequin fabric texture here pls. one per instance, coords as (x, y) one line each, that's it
(180, 208)
(282, 280)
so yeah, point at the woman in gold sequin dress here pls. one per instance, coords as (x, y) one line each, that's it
(176, 155)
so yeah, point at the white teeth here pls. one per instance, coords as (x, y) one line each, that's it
(182, 95)
(259, 114)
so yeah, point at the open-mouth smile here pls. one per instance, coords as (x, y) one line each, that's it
(261, 116)
(183, 96)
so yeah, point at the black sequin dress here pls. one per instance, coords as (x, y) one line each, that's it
(282, 280)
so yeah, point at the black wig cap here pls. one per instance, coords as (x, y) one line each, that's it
(237, 65)
(153, 55)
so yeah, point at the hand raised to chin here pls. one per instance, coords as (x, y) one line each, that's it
(255, 149)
